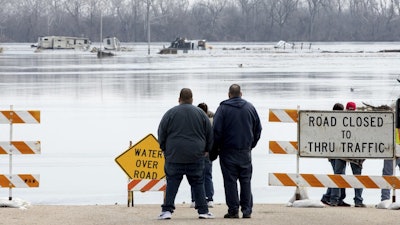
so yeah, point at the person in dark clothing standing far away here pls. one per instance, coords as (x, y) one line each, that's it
(208, 183)
(185, 137)
(237, 129)
(326, 198)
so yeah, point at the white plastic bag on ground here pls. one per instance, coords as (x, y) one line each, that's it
(304, 201)
(303, 195)
(383, 204)
(308, 203)
(14, 203)
(387, 204)
(394, 206)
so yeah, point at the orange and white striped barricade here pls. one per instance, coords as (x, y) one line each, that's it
(20, 147)
(334, 181)
(144, 185)
(12, 147)
(283, 116)
(12, 117)
(285, 147)
(19, 181)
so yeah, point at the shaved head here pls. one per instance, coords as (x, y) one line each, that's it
(186, 96)
(234, 91)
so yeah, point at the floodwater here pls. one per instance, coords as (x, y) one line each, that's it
(92, 108)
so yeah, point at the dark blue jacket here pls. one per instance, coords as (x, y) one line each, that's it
(236, 125)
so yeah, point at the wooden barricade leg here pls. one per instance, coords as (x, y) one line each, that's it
(130, 198)
(130, 192)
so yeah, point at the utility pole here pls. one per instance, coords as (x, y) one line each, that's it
(148, 27)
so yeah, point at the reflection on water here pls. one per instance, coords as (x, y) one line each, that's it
(131, 76)
(91, 108)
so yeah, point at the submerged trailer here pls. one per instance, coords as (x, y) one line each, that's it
(63, 42)
(111, 43)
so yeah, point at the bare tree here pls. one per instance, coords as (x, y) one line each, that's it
(31, 17)
(248, 7)
(386, 20)
(361, 13)
(314, 7)
(170, 18)
(218, 20)
(208, 14)
(281, 11)
(55, 18)
(5, 6)
(330, 21)
(200, 20)
(75, 9)
(396, 6)
(128, 14)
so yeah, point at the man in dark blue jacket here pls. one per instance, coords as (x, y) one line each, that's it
(185, 137)
(237, 129)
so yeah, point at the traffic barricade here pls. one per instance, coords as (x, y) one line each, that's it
(13, 147)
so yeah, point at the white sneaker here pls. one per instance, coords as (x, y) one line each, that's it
(192, 205)
(166, 215)
(206, 216)
(210, 204)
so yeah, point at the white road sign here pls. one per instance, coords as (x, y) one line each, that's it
(344, 134)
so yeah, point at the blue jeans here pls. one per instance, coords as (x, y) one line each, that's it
(388, 170)
(236, 165)
(194, 173)
(327, 196)
(340, 168)
(208, 183)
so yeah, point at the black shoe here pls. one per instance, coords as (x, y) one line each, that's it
(360, 205)
(231, 216)
(333, 204)
(246, 216)
(325, 202)
(343, 204)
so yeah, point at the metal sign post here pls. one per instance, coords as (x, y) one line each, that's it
(10, 155)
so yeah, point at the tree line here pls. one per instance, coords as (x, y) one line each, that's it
(213, 20)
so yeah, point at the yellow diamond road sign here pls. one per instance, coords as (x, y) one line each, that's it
(144, 160)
